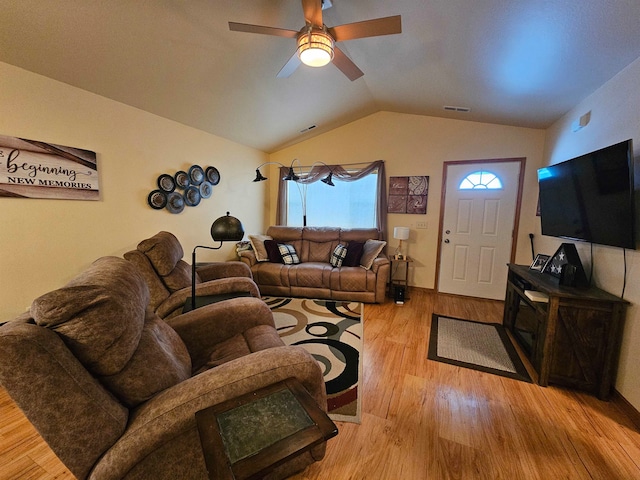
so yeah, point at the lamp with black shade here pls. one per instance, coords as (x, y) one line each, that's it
(224, 229)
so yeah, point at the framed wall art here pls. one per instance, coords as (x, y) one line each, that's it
(408, 194)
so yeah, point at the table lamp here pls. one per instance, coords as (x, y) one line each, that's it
(400, 233)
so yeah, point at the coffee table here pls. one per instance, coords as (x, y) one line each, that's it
(248, 436)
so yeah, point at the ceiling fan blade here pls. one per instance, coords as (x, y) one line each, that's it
(312, 12)
(345, 65)
(289, 67)
(278, 32)
(368, 28)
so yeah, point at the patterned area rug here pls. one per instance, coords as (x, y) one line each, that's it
(332, 333)
(480, 346)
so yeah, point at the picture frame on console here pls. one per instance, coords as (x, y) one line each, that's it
(539, 262)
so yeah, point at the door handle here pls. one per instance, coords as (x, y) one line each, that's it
(446, 240)
(447, 232)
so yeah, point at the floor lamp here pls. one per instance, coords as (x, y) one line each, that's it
(291, 176)
(224, 229)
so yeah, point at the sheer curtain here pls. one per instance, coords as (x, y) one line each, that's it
(319, 172)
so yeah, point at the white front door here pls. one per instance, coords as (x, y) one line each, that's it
(477, 228)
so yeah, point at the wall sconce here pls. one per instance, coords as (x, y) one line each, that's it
(224, 229)
(400, 233)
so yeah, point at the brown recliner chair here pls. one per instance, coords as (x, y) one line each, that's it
(113, 389)
(159, 260)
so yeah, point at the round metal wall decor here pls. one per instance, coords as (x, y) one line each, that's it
(192, 196)
(166, 183)
(157, 199)
(175, 202)
(182, 179)
(184, 188)
(213, 175)
(196, 174)
(206, 189)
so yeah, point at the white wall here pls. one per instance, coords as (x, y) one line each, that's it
(44, 243)
(419, 145)
(615, 116)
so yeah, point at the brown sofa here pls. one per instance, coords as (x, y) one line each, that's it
(315, 276)
(113, 389)
(159, 260)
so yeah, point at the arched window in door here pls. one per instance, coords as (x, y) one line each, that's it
(481, 180)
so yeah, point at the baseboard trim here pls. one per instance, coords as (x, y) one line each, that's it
(626, 407)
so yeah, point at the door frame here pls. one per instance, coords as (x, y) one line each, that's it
(516, 217)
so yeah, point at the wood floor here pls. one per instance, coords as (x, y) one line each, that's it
(428, 420)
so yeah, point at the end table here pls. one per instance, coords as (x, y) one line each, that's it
(248, 436)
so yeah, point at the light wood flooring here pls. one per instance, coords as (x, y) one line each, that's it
(428, 420)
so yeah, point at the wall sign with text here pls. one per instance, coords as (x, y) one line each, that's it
(34, 169)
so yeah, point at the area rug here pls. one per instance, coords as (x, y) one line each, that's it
(332, 332)
(479, 346)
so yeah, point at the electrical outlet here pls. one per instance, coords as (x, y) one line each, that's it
(421, 225)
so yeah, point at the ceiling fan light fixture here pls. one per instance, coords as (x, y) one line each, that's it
(315, 48)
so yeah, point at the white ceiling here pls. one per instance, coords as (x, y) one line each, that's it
(515, 62)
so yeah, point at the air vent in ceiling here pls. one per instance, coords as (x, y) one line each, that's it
(456, 109)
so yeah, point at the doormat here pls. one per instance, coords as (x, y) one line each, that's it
(331, 331)
(479, 346)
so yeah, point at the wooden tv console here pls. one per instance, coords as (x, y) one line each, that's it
(573, 339)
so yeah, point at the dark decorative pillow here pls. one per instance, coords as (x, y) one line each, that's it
(354, 252)
(289, 255)
(257, 243)
(273, 252)
(337, 257)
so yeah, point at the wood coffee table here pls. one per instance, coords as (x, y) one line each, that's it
(248, 436)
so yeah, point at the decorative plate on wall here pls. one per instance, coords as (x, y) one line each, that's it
(205, 189)
(182, 179)
(196, 174)
(213, 175)
(192, 196)
(157, 199)
(166, 183)
(175, 202)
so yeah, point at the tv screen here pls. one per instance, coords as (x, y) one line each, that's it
(590, 198)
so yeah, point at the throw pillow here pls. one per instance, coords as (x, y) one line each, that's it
(354, 253)
(370, 251)
(257, 243)
(273, 252)
(337, 257)
(289, 255)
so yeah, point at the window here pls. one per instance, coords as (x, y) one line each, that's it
(347, 204)
(480, 180)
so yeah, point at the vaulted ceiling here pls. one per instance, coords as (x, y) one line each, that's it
(522, 63)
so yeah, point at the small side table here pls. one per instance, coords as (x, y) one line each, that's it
(248, 436)
(395, 264)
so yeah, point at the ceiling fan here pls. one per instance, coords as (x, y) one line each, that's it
(317, 42)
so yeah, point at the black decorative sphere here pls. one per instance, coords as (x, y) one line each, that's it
(227, 229)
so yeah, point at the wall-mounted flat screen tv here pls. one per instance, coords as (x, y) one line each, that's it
(591, 197)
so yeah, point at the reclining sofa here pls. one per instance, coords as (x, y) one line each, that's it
(113, 389)
(304, 262)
